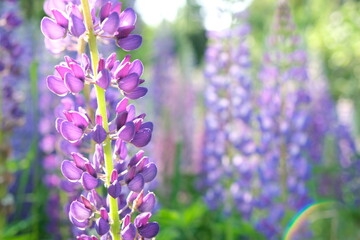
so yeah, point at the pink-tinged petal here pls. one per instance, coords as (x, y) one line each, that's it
(127, 132)
(76, 26)
(101, 65)
(70, 171)
(121, 106)
(79, 160)
(111, 23)
(149, 172)
(129, 83)
(60, 18)
(122, 70)
(137, 93)
(127, 17)
(109, 63)
(137, 183)
(131, 112)
(148, 203)
(51, 29)
(77, 70)
(138, 121)
(137, 67)
(73, 84)
(104, 214)
(142, 137)
(114, 176)
(99, 134)
(90, 169)
(79, 119)
(116, 7)
(105, 11)
(70, 60)
(53, 4)
(79, 211)
(56, 85)
(103, 79)
(142, 219)
(58, 123)
(70, 132)
(87, 203)
(129, 43)
(149, 230)
(123, 32)
(62, 70)
(98, 120)
(88, 181)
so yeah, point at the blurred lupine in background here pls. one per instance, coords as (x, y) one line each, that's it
(14, 81)
(255, 111)
(229, 99)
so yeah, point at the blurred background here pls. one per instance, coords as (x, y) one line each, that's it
(256, 111)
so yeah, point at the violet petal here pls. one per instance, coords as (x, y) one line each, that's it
(129, 83)
(137, 93)
(149, 172)
(56, 85)
(88, 181)
(142, 137)
(70, 132)
(76, 26)
(70, 171)
(51, 29)
(111, 23)
(99, 134)
(73, 84)
(150, 230)
(79, 211)
(130, 43)
(102, 226)
(127, 132)
(148, 203)
(137, 183)
(103, 79)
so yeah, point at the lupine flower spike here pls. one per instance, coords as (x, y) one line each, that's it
(113, 216)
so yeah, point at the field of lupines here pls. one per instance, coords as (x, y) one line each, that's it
(187, 119)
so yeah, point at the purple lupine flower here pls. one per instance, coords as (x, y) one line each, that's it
(125, 130)
(13, 54)
(65, 24)
(283, 120)
(229, 103)
(340, 152)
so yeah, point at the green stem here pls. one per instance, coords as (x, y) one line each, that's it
(100, 95)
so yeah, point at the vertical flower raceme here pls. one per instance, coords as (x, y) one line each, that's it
(331, 144)
(11, 114)
(165, 89)
(114, 164)
(228, 100)
(283, 121)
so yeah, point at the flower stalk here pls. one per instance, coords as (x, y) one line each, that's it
(100, 97)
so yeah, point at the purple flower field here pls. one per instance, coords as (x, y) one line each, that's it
(134, 119)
